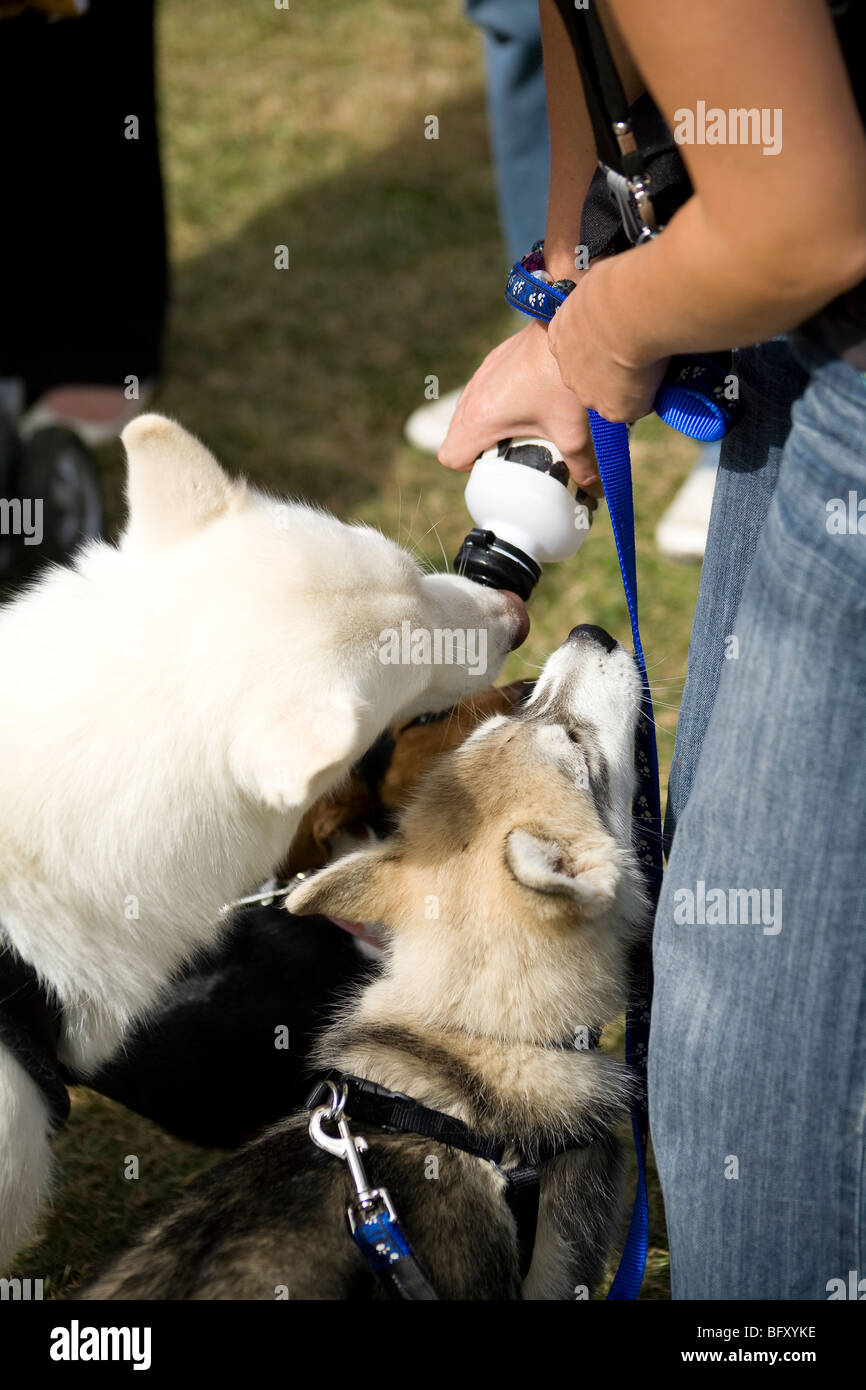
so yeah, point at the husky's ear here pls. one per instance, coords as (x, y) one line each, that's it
(287, 763)
(355, 888)
(174, 485)
(589, 876)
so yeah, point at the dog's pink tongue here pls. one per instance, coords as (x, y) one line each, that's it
(355, 929)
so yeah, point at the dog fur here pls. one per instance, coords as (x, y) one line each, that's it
(202, 1062)
(508, 899)
(171, 706)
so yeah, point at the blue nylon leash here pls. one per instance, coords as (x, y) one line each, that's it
(693, 400)
(614, 465)
(541, 300)
(373, 1223)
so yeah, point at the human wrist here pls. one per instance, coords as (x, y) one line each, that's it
(560, 256)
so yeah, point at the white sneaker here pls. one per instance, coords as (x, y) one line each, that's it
(681, 533)
(427, 426)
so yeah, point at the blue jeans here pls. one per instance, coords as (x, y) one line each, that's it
(757, 1064)
(516, 116)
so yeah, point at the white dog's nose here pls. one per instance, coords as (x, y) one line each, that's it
(518, 607)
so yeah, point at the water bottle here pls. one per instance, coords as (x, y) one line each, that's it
(527, 509)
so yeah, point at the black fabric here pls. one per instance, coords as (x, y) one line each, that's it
(30, 1027)
(83, 269)
(657, 160)
(601, 229)
(841, 326)
(850, 21)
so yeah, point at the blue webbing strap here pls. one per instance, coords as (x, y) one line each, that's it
(614, 464)
(692, 399)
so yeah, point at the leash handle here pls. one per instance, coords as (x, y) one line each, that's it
(614, 463)
(694, 396)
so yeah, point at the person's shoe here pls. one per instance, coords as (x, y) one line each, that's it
(681, 533)
(97, 414)
(427, 426)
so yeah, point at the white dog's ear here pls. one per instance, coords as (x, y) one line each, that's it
(588, 876)
(355, 888)
(288, 762)
(174, 485)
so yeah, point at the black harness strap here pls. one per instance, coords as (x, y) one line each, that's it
(633, 145)
(406, 1280)
(397, 1113)
(400, 1114)
(605, 99)
(30, 1017)
(523, 1194)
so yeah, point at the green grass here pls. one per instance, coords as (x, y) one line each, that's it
(306, 128)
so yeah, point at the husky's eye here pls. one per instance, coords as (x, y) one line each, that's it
(573, 735)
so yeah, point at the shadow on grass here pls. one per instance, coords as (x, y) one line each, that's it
(303, 377)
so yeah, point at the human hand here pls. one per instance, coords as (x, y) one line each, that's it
(518, 392)
(590, 350)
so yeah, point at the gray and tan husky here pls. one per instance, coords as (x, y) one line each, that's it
(508, 899)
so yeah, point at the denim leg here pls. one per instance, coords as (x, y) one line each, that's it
(517, 116)
(758, 1042)
(770, 381)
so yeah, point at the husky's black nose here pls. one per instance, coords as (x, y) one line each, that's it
(588, 632)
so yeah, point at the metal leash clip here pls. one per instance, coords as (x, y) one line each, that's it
(348, 1146)
(634, 203)
(270, 890)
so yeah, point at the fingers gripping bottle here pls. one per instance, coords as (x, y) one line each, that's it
(528, 510)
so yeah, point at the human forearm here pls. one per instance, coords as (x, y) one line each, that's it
(572, 148)
(702, 287)
(773, 232)
(769, 237)
(573, 156)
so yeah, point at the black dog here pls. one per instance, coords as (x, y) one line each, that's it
(209, 1065)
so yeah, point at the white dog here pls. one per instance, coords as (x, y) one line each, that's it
(169, 709)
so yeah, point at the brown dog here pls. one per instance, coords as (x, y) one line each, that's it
(381, 784)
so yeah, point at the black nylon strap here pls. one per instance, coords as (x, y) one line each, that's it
(522, 1194)
(406, 1280)
(603, 91)
(369, 1103)
(391, 1110)
(30, 1019)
